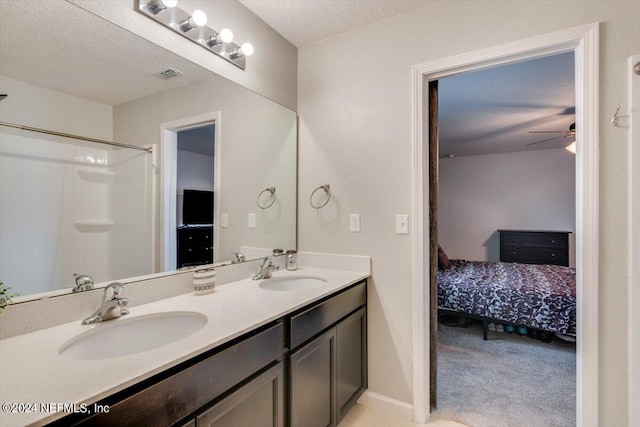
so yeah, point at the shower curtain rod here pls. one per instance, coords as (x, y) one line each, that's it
(83, 138)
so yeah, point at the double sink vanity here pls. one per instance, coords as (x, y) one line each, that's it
(284, 351)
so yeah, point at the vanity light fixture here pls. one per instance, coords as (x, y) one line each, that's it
(194, 27)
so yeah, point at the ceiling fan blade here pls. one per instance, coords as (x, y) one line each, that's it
(549, 131)
(546, 140)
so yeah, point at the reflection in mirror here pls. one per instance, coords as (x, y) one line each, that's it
(71, 206)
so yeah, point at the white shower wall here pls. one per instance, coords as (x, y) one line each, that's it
(68, 206)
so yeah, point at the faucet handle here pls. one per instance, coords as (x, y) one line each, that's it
(112, 291)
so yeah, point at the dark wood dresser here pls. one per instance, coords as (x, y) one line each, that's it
(195, 245)
(534, 247)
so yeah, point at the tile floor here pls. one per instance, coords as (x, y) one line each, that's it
(362, 416)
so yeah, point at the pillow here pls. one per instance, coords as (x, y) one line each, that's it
(443, 259)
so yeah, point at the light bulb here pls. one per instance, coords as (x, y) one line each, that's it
(247, 49)
(226, 35)
(157, 6)
(199, 18)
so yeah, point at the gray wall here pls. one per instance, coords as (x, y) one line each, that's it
(478, 195)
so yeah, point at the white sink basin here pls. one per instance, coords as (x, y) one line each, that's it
(122, 336)
(292, 283)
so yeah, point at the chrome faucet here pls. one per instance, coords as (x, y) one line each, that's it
(112, 305)
(266, 269)
(84, 282)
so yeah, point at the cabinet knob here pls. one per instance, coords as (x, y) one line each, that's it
(553, 241)
(553, 255)
(514, 252)
(190, 237)
(514, 239)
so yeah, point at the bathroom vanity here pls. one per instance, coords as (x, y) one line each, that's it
(265, 358)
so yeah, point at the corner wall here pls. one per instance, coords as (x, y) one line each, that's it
(354, 102)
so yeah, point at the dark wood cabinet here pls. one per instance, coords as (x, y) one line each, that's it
(534, 247)
(328, 373)
(195, 245)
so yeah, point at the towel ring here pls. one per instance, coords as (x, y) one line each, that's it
(327, 191)
(271, 190)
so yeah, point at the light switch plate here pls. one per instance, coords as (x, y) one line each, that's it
(251, 223)
(402, 224)
(224, 220)
(354, 223)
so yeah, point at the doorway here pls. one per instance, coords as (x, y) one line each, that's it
(500, 167)
(190, 183)
(583, 41)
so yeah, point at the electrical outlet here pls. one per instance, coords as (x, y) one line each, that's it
(354, 223)
(402, 224)
(251, 223)
(224, 220)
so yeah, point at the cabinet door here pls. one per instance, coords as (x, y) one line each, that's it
(313, 377)
(351, 363)
(259, 403)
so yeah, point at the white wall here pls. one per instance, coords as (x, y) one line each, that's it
(354, 103)
(271, 71)
(477, 195)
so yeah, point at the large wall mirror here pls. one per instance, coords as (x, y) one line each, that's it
(211, 177)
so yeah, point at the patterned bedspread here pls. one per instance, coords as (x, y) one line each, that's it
(537, 296)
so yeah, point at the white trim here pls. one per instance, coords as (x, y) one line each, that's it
(634, 243)
(168, 168)
(583, 41)
(386, 404)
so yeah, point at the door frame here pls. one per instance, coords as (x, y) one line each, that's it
(634, 240)
(168, 183)
(584, 41)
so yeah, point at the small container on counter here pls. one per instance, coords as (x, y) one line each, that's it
(292, 260)
(204, 281)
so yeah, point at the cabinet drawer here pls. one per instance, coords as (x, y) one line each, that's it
(546, 240)
(314, 320)
(535, 256)
(179, 395)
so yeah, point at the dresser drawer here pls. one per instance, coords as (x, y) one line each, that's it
(535, 256)
(544, 240)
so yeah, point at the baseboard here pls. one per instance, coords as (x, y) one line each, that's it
(387, 404)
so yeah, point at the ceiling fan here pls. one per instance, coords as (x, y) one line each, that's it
(571, 133)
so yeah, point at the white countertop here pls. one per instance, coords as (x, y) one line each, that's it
(31, 371)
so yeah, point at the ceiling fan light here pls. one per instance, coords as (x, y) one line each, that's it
(571, 147)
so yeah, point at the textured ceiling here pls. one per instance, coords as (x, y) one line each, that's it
(60, 46)
(493, 110)
(303, 22)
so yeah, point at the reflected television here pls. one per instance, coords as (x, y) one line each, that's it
(197, 207)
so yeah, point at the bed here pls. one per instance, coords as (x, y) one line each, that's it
(535, 296)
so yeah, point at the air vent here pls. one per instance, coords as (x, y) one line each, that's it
(169, 73)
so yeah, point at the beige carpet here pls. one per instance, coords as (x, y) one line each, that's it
(507, 381)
